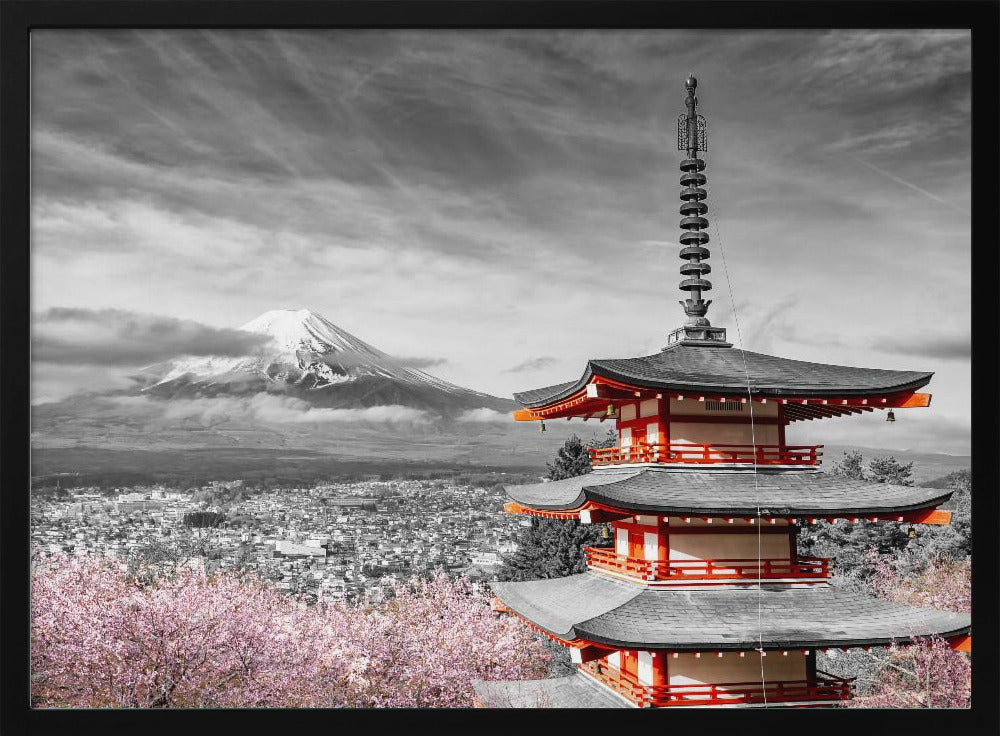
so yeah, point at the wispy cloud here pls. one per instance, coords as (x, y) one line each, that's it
(534, 364)
(349, 358)
(399, 181)
(113, 337)
(930, 345)
(911, 185)
(421, 363)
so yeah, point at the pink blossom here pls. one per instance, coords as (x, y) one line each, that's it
(103, 639)
(927, 673)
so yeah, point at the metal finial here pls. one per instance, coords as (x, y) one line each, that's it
(693, 139)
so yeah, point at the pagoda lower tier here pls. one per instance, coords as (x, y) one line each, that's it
(621, 614)
(660, 647)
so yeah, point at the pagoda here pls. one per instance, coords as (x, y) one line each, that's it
(702, 599)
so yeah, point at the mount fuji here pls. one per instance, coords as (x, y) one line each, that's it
(304, 355)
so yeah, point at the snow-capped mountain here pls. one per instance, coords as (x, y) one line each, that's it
(305, 355)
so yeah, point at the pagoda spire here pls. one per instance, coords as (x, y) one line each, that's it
(693, 139)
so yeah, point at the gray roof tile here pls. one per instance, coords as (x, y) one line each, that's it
(558, 603)
(575, 691)
(696, 491)
(593, 607)
(719, 369)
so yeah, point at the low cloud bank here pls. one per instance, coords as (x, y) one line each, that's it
(484, 416)
(270, 409)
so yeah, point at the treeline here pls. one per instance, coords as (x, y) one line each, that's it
(912, 547)
(269, 480)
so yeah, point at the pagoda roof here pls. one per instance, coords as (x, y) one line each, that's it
(619, 614)
(804, 493)
(575, 691)
(721, 370)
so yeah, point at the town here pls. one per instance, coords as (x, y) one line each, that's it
(330, 542)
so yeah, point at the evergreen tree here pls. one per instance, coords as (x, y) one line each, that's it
(610, 439)
(572, 459)
(849, 542)
(889, 470)
(951, 541)
(850, 466)
(553, 548)
(550, 548)
(203, 519)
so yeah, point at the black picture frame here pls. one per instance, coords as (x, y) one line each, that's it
(18, 18)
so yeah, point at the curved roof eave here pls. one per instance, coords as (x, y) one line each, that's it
(767, 385)
(697, 492)
(593, 607)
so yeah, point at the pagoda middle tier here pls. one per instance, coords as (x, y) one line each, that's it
(609, 493)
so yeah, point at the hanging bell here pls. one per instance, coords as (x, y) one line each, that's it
(911, 532)
(890, 417)
(605, 534)
(610, 412)
(541, 426)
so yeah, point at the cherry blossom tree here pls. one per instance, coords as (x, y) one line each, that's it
(927, 673)
(104, 637)
(428, 642)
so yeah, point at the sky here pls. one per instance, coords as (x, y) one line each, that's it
(502, 205)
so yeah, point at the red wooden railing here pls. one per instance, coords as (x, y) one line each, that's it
(605, 558)
(826, 687)
(708, 454)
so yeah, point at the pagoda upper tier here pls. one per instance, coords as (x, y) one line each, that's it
(807, 390)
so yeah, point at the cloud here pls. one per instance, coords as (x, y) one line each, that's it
(420, 363)
(113, 337)
(534, 364)
(351, 358)
(938, 347)
(267, 408)
(911, 185)
(916, 430)
(400, 180)
(484, 416)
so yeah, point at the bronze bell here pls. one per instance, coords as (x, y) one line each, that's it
(610, 412)
(541, 426)
(890, 417)
(911, 532)
(605, 534)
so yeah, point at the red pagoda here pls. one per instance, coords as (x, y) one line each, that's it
(703, 600)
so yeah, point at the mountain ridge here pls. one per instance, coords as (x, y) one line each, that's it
(306, 356)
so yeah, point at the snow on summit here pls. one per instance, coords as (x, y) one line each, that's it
(304, 350)
(305, 330)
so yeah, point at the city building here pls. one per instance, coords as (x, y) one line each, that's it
(702, 599)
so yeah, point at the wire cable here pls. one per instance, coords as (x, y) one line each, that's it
(753, 442)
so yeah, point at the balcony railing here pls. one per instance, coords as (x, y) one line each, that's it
(826, 687)
(708, 454)
(605, 558)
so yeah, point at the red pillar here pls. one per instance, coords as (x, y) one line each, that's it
(660, 668)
